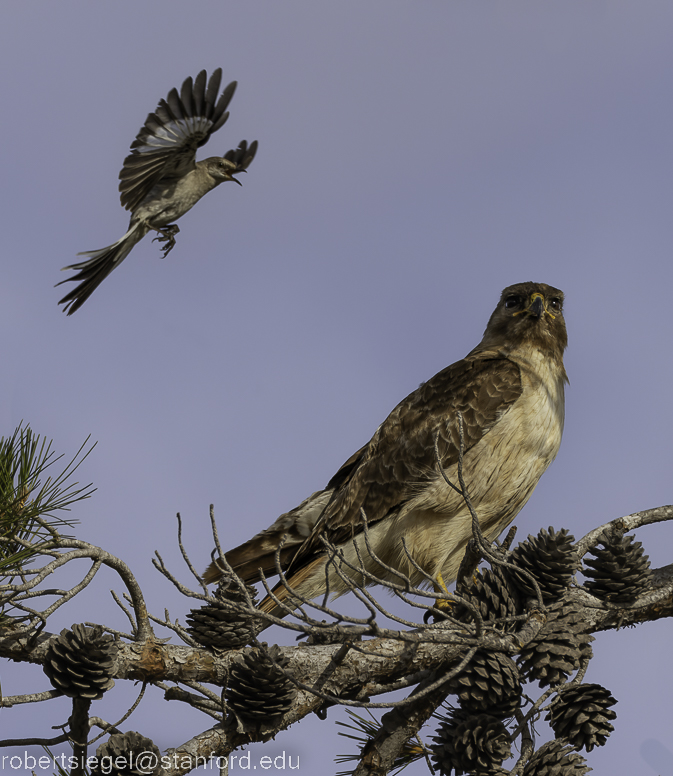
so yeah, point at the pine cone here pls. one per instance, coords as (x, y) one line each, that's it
(128, 753)
(470, 744)
(494, 595)
(556, 758)
(581, 715)
(443, 751)
(558, 649)
(257, 689)
(480, 744)
(488, 684)
(551, 558)
(218, 624)
(80, 662)
(620, 571)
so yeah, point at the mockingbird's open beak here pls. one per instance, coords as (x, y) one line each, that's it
(236, 180)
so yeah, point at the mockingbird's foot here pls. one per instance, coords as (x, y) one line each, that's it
(167, 235)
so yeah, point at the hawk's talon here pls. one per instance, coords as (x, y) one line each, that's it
(442, 604)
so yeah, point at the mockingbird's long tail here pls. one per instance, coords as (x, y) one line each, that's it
(94, 271)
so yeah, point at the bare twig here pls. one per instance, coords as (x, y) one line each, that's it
(60, 739)
(14, 700)
(628, 523)
(64, 551)
(111, 728)
(185, 556)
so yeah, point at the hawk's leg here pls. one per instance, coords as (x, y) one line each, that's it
(166, 235)
(440, 587)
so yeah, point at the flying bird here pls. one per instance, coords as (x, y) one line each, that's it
(509, 391)
(161, 179)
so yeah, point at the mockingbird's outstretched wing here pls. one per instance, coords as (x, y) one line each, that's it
(166, 145)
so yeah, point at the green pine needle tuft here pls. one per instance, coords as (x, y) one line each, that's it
(29, 500)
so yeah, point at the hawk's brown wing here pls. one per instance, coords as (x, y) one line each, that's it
(400, 458)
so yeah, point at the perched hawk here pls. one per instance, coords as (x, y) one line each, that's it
(510, 392)
(161, 179)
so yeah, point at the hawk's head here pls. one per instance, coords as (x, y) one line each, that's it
(528, 314)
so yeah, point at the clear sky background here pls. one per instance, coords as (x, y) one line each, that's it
(415, 158)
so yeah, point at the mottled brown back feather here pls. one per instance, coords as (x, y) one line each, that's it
(400, 458)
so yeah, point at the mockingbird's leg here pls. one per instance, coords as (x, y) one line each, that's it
(167, 235)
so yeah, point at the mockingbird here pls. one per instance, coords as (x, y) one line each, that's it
(509, 392)
(161, 179)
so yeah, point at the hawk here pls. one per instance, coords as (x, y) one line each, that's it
(510, 393)
(161, 179)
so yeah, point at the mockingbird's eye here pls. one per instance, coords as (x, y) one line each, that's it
(512, 301)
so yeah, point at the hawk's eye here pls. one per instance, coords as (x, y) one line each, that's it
(512, 301)
(555, 304)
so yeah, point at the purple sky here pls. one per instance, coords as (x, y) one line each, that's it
(415, 158)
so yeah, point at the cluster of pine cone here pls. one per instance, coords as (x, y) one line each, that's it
(258, 690)
(473, 738)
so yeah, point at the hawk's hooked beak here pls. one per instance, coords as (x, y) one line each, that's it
(537, 306)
